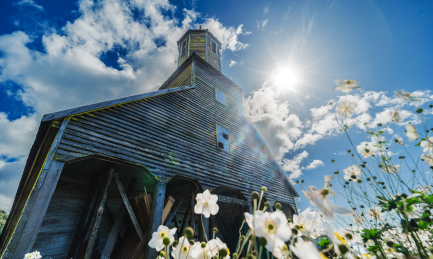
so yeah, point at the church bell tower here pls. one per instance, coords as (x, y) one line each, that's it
(203, 43)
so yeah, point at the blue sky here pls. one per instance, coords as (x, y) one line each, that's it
(284, 54)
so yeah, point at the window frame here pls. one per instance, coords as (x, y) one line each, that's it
(212, 42)
(216, 97)
(228, 140)
(184, 50)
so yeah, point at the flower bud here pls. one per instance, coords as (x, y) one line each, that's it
(203, 244)
(255, 195)
(277, 206)
(188, 232)
(333, 160)
(250, 237)
(419, 110)
(302, 181)
(353, 176)
(251, 257)
(324, 192)
(289, 220)
(215, 230)
(242, 237)
(223, 252)
(349, 236)
(379, 124)
(175, 243)
(343, 249)
(294, 231)
(264, 189)
(297, 181)
(359, 181)
(390, 243)
(368, 178)
(336, 172)
(235, 255)
(263, 241)
(166, 241)
(255, 253)
(162, 254)
(191, 242)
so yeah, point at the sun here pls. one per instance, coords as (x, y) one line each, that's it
(286, 78)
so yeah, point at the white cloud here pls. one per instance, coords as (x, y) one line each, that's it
(262, 24)
(10, 174)
(266, 9)
(271, 117)
(228, 36)
(232, 63)
(294, 165)
(31, 3)
(316, 163)
(71, 72)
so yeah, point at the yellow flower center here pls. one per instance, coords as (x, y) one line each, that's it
(367, 255)
(340, 238)
(408, 94)
(323, 256)
(162, 234)
(271, 226)
(228, 251)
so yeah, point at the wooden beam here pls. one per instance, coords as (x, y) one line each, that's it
(89, 221)
(156, 216)
(177, 208)
(111, 240)
(37, 203)
(167, 208)
(128, 206)
(75, 241)
(192, 224)
(92, 237)
(188, 207)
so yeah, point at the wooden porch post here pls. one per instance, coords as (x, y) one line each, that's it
(37, 204)
(156, 214)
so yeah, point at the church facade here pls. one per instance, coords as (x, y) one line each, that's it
(160, 148)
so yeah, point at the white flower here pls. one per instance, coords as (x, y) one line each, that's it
(366, 153)
(427, 145)
(358, 220)
(346, 109)
(346, 86)
(388, 168)
(428, 158)
(406, 96)
(280, 250)
(321, 201)
(390, 253)
(352, 173)
(209, 251)
(159, 235)
(375, 213)
(306, 250)
(336, 239)
(411, 132)
(328, 179)
(399, 140)
(396, 116)
(34, 255)
(272, 226)
(206, 204)
(303, 225)
(182, 250)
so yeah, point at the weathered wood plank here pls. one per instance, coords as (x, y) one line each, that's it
(73, 250)
(128, 206)
(156, 216)
(93, 234)
(37, 204)
(111, 241)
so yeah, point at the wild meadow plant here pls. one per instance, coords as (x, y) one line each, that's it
(387, 189)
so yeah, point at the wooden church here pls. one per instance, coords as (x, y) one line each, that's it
(101, 178)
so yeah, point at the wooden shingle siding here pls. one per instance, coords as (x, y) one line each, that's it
(198, 44)
(181, 124)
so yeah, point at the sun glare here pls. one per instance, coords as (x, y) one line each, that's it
(286, 78)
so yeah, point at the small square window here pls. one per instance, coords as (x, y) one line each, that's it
(214, 47)
(223, 138)
(220, 96)
(184, 47)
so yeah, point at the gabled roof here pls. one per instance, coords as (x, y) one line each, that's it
(106, 104)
